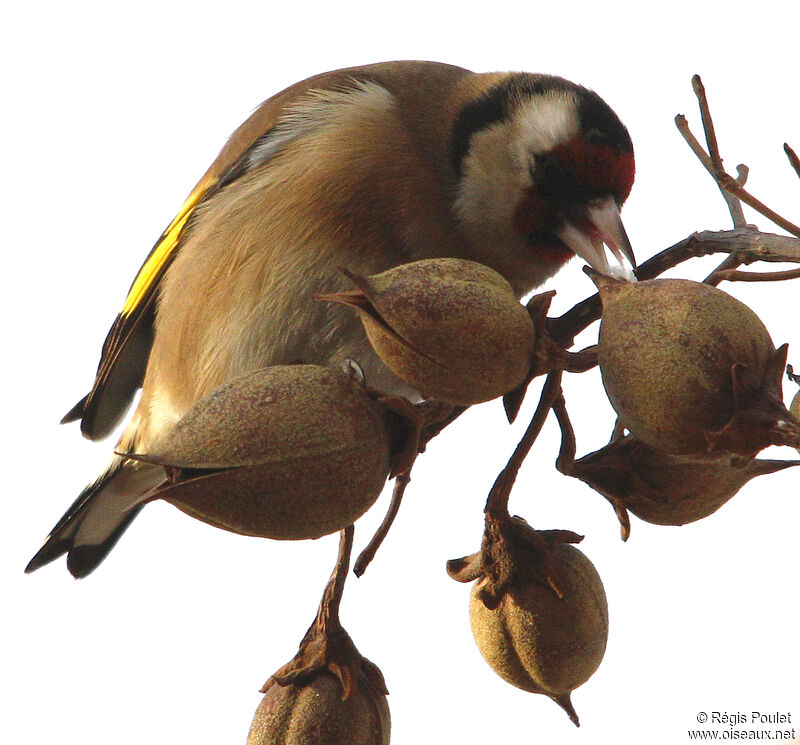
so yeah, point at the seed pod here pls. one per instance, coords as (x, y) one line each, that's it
(287, 452)
(452, 329)
(666, 489)
(538, 641)
(690, 369)
(315, 714)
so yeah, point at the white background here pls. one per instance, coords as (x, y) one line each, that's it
(111, 114)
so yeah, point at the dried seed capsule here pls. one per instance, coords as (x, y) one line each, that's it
(690, 369)
(314, 713)
(666, 489)
(287, 452)
(453, 329)
(538, 641)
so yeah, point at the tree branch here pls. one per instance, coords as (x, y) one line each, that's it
(731, 275)
(794, 161)
(734, 205)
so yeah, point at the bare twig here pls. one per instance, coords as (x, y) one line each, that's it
(326, 646)
(747, 245)
(683, 127)
(497, 502)
(368, 554)
(732, 186)
(731, 275)
(708, 123)
(734, 206)
(794, 161)
(742, 172)
(328, 613)
(730, 262)
(578, 362)
(568, 449)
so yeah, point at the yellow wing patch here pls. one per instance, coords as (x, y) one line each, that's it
(163, 249)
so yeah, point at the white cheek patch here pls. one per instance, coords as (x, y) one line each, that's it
(493, 178)
(543, 122)
(497, 165)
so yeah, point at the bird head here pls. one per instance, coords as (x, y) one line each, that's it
(543, 168)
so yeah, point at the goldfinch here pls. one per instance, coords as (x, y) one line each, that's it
(364, 168)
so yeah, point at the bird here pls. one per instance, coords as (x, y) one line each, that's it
(363, 168)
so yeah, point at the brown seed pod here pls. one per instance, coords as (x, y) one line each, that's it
(287, 452)
(690, 369)
(315, 713)
(666, 489)
(542, 642)
(451, 328)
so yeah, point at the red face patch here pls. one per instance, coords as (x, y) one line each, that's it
(535, 219)
(598, 168)
(533, 214)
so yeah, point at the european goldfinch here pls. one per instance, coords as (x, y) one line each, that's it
(364, 168)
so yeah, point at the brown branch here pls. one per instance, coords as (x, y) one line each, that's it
(368, 554)
(328, 613)
(731, 275)
(568, 449)
(497, 503)
(683, 127)
(578, 362)
(327, 647)
(732, 186)
(794, 161)
(730, 262)
(748, 246)
(742, 172)
(708, 164)
(734, 206)
(708, 122)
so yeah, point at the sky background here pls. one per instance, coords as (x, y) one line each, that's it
(112, 114)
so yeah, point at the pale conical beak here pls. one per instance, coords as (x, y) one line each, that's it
(598, 224)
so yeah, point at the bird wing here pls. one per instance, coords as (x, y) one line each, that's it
(127, 345)
(126, 350)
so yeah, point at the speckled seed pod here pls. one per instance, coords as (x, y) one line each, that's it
(689, 368)
(315, 714)
(287, 452)
(667, 489)
(450, 328)
(540, 642)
